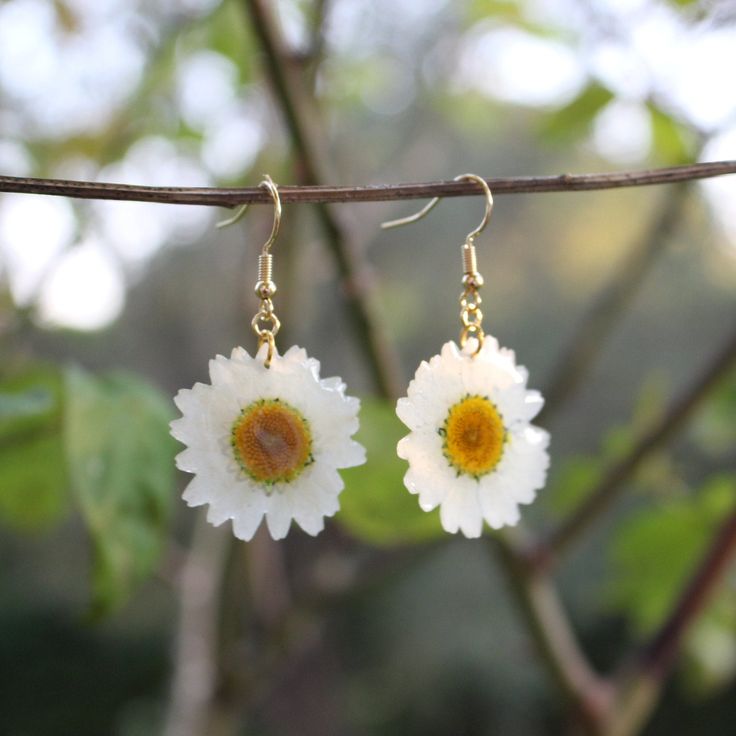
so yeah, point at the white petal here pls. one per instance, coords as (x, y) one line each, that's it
(246, 523)
(461, 510)
(346, 454)
(189, 461)
(327, 478)
(335, 383)
(431, 488)
(278, 515)
(296, 354)
(241, 355)
(219, 513)
(197, 492)
(517, 404)
(308, 512)
(494, 506)
(192, 400)
(498, 507)
(450, 352)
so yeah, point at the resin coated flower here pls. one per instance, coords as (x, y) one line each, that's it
(471, 449)
(267, 442)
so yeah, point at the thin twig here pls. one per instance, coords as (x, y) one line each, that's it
(609, 305)
(641, 684)
(311, 193)
(195, 648)
(297, 113)
(550, 629)
(612, 482)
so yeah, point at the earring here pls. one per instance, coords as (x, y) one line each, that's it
(267, 436)
(472, 450)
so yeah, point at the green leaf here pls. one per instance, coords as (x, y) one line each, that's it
(120, 459)
(230, 36)
(32, 469)
(576, 476)
(655, 551)
(574, 118)
(710, 648)
(375, 505)
(671, 141)
(508, 11)
(714, 428)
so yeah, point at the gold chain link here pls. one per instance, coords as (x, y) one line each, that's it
(471, 316)
(265, 323)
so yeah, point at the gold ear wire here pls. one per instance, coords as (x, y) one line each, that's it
(265, 287)
(273, 190)
(269, 185)
(265, 324)
(430, 205)
(470, 315)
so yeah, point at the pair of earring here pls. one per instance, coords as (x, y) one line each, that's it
(267, 436)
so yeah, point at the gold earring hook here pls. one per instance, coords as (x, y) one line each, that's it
(471, 316)
(273, 190)
(265, 323)
(269, 184)
(430, 205)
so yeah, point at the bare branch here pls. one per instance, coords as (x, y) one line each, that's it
(298, 112)
(549, 627)
(194, 678)
(610, 303)
(612, 482)
(311, 193)
(642, 682)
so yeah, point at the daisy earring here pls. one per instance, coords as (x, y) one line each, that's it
(471, 448)
(267, 436)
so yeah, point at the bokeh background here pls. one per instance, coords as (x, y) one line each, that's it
(381, 626)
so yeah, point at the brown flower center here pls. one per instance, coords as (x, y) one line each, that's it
(271, 441)
(474, 436)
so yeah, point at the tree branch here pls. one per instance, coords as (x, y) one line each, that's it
(642, 683)
(609, 304)
(297, 113)
(325, 193)
(194, 677)
(554, 638)
(612, 482)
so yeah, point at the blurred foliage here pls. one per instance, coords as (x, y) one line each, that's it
(375, 506)
(577, 475)
(32, 463)
(574, 119)
(672, 141)
(656, 547)
(652, 555)
(121, 471)
(106, 440)
(715, 427)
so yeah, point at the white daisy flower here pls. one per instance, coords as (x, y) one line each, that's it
(267, 442)
(471, 449)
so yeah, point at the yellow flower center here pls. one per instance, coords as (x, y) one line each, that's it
(474, 436)
(271, 441)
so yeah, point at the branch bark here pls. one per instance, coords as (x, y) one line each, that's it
(623, 285)
(313, 192)
(195, 673)
(642, 683)
(609, 487)
(297, 113)
(589, 695)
